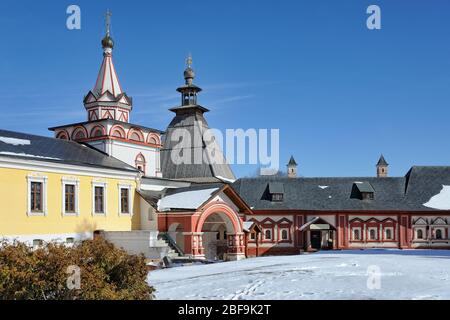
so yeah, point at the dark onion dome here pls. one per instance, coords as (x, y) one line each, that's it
(107, 42)
(189, 73)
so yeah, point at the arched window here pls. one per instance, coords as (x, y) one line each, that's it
(372, 234)
(140, 162)
(284, 234)
(268, 234)
(388, 234)
(438, 234)
(419, 234)
(356, 234)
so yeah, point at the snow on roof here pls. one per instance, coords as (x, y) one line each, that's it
(441, 201)
(15, 141)
(226, 179)
(247, 225)
(323, 187)
(306, 225)
(191, 199)
(6, 153)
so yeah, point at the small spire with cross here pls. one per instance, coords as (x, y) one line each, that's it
(107, 42)
(189, 61)
(108, 21)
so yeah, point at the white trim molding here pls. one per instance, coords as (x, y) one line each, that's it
(43, 180)
(70, 181)
(105, 194)
(130, 205)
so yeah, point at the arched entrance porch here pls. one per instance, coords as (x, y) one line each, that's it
(218, 234)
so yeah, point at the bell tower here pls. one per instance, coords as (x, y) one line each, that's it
(382, 168)
(292, 168)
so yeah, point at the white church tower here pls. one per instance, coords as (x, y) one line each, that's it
(108, 126)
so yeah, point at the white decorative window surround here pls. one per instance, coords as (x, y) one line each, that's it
(420, 234)
(130, 206)
(267, 234)
(284, 234)
(105, 194)
(356, 234)
(389, 233)
(439, 234)
(76, 183)
(372, 233)
(43, 196)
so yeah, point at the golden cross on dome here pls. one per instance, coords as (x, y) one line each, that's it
(108, 20)
(189, 61)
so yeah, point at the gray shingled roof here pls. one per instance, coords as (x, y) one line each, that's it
(192, 121)
(407, 193)
(276, 187)
(55, 150)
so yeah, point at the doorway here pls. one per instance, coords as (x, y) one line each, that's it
(316, 239)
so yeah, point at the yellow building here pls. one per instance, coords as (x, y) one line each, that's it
(52, 189)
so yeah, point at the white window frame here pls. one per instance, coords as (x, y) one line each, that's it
(392, 233)
(287, 233)
(435, 229)
(271, 234)
(76, 182)
(105, 196)
(360, 234)
(377, 236)
(130, 205)
(424, 235)
(43, 180)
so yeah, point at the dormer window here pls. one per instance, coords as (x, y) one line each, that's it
(276, 191)
(367, 195)
(363, 191)
(277, 197)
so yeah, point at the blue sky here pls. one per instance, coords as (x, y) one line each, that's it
(339, 93)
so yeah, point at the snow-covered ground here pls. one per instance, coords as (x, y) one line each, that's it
(362, 274)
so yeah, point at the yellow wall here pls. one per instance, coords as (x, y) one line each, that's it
(14, 204)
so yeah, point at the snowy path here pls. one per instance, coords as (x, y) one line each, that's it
(404, 274)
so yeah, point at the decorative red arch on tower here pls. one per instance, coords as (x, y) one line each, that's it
(153, 138)
(117, 128)
(63, 134)
(79, 130)
(96, 130)
(133, 132)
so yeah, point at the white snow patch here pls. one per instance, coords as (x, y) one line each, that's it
(6, 153)
(225, 179)
(441, 201)
(404, 274)
(323, 187)
(15, 141)
(185, 200)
